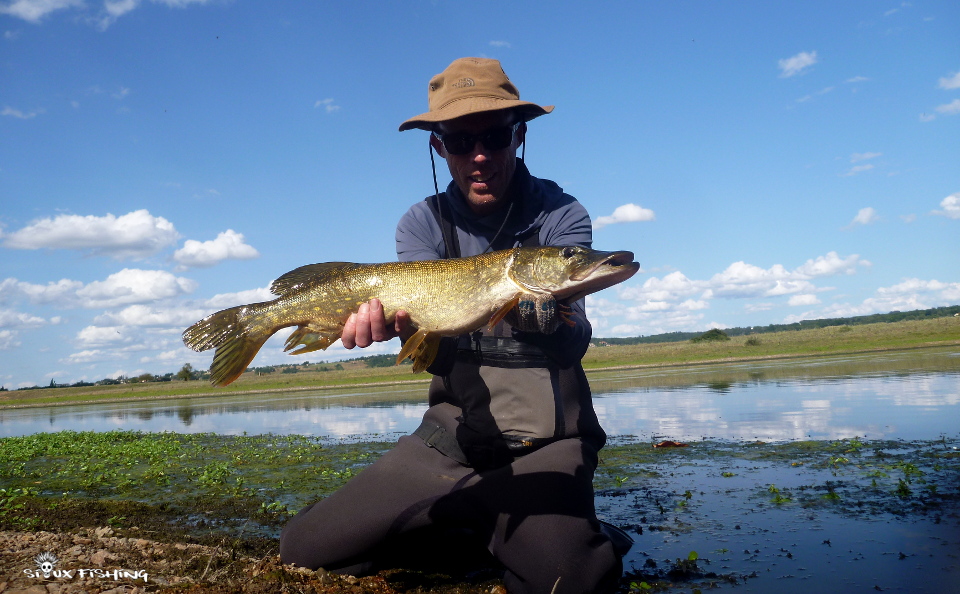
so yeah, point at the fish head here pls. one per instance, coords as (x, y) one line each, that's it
(570, 272)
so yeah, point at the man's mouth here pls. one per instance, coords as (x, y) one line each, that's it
(481, 179)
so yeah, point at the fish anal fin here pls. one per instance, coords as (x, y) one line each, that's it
(421, 348)
(313, 337)
(503, 311)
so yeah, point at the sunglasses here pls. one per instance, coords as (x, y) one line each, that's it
(494, 139)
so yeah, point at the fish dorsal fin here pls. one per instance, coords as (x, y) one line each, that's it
(309, 275)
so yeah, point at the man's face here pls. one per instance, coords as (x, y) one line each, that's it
(482, 175)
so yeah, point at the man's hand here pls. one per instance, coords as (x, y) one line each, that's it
(369, 325)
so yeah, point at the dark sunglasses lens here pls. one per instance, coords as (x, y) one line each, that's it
(494, 139)
(458, 144)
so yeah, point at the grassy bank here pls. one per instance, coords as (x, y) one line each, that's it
(203, 512)
(822, 341)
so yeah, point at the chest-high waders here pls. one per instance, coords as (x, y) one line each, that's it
(513, 397)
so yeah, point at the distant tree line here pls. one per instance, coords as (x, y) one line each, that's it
(893, 316)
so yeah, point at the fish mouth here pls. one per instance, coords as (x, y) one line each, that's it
(619, 264)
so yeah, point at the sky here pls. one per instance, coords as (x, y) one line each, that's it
(767, 162)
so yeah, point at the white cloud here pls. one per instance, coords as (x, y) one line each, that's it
(950, 206)
(857, 79)
(950, 82)
(327, 104)
(858, 169)
(229, 245)
(865, 216)
(15, 319)
(132, 285)
(740, 280)
(121, 288)
(62, 292)
(951, 108)
(8, 340)
(134, 235)
(806, 299)
(626, 213)
(857, 157)
(500, 44)
(20, 115)
(151, 315)
(34, 10)
(796, 64)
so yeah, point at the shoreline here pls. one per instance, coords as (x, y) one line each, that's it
(79, 400)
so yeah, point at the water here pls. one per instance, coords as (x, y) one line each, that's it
(900, 395)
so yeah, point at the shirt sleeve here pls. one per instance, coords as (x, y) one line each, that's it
(418, 237)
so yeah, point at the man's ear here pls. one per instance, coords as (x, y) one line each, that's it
(438, 146)
(521, 134)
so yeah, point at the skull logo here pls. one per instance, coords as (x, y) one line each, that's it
(46, 561)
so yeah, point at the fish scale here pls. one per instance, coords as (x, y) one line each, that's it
(442, 297)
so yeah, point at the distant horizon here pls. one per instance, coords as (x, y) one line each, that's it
(357, 355)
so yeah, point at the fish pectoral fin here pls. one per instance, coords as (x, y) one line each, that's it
(313, 338)
(421, 348)
(565, 313)
(503, 311)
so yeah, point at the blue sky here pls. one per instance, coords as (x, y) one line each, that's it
(767, 162)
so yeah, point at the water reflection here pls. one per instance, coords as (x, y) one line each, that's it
(909, 395)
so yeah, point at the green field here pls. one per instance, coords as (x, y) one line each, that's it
(800, 343)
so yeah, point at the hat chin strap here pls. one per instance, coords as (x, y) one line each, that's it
(436, 191)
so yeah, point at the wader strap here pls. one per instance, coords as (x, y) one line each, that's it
(441, 440)
(451, 244)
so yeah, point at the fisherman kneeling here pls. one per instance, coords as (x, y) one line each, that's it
(503, 462)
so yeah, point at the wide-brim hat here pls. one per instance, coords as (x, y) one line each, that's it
(472, 85)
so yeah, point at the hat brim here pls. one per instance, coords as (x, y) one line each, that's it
(471, 105)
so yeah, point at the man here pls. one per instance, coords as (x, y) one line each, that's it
(504, 458)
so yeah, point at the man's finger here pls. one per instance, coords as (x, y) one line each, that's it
(362, 337)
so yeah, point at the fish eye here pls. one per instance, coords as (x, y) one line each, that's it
(568, 252)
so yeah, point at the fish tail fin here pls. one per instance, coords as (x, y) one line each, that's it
(421, 348)
(237, 343)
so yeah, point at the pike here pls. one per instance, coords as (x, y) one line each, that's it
(443, 298)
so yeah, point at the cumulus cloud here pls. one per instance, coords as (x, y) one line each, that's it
(134, 235)
(328, 105)
(951, 108)
(950, 206)
(15, 319)
(8, 340)
(858, 169)
(796, 64)
(130, 285)
(152, 315)
(865, 216)
(34, 10)
(857, 157)
(626, 213)
(739, 280)
(950, 82)
(229, 245)
(20, 115)
(909, 294)
(806, 299)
